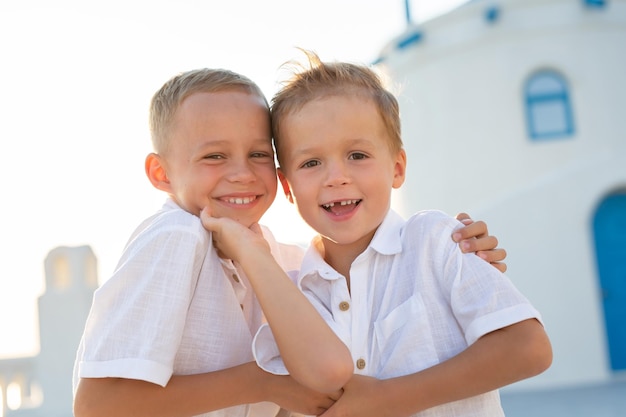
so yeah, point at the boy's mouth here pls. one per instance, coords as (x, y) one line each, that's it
(341, 207)
(240, 200)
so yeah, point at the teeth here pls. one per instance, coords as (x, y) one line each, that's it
(342, 203)
(241, 200)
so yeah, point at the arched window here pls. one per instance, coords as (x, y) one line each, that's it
(548, 109)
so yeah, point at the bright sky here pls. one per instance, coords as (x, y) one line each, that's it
(76, 79)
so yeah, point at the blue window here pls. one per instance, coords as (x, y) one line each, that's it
(548, 109)
(595, 3)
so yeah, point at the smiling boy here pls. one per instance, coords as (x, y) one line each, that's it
(169, 333)
(432, 331)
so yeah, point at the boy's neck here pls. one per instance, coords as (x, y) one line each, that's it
(341, 257)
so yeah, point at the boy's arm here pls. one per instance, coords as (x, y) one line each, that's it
(311, 351)
(499, 358)
(189, 395)
(474, 237)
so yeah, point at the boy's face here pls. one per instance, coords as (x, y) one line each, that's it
(221, 156)
(339, 168)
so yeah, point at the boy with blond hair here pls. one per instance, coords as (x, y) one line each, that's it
(432, 331)
(169, 334)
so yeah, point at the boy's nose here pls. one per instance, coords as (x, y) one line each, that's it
(337, 175)
(242, 172)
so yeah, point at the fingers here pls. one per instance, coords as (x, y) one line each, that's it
(328, 401)
(495, 258)
(484, 243)
(336, 395)
(501, 266)
(474, 237)
(256, 228)
(205, 217)
(464, 218)
(475, 229)
(493, 255)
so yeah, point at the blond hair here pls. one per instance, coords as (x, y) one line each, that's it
(321, 79)
(168, 98)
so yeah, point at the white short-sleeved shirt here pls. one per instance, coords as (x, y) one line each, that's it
(415, 300)
(173, 306)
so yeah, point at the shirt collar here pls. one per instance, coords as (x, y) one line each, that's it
(386, 241)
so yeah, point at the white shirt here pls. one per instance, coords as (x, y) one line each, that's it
(173, 306)
(415, 300)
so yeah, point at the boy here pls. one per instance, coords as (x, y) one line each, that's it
(431, 331)
(170, 332)
(164, 329)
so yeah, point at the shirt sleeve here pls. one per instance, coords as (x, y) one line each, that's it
(482, 298)
(137, 318)
(266, 353)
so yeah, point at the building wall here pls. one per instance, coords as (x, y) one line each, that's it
(42, 385)
(461, 90)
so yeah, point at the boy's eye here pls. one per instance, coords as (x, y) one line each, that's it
(260, 155)
(214, 156)
(309, 164)
(357, 155)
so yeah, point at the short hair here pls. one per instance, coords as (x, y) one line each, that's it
(321, 79)
(169, 97)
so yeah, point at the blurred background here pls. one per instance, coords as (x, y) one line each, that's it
(512, 110)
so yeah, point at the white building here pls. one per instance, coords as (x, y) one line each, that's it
(41, 386)
(515, 111)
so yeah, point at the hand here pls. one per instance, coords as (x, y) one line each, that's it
(231, 238)
(361, 397)
(474, 237)
(290, 395)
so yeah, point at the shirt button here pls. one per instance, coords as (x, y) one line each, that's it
(360, 363)
(344, 306)
(235, 277)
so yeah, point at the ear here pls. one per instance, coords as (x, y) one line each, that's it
(284, 184)
(399, 169)
(156, 173)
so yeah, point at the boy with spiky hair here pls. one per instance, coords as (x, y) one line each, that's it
(432, 331)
